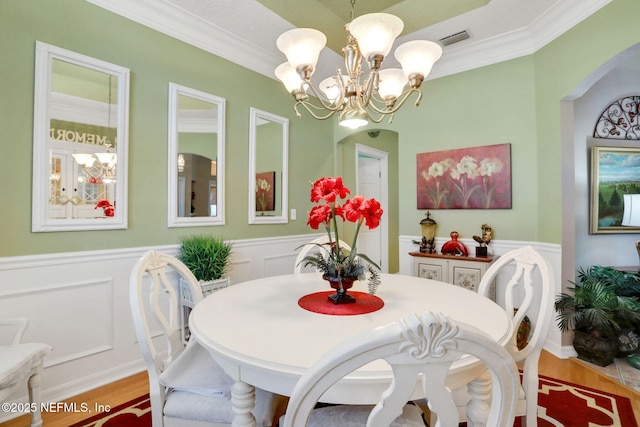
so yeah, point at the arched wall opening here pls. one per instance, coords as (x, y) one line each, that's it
(579, 113)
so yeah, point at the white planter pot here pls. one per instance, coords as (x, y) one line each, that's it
(207, 287)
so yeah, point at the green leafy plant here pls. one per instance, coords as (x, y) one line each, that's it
(206, 256)
(599, 304)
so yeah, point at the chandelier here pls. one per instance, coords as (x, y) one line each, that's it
(105, 167)
(356, 98)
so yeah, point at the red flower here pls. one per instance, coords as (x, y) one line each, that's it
(319, 215)
(361, 209)
(103, 204)
(322, 214)
(328, 189)
(107, 207)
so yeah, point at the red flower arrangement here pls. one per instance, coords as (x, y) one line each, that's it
(336, 262)
(108, 208)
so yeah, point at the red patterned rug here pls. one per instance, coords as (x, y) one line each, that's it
(560, 404)
(135, 413)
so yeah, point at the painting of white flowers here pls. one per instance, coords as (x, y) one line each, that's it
(466, 178)
(265, 191)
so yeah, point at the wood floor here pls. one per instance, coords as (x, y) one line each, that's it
(570, 370)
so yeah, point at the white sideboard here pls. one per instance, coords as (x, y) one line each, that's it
(457, 270)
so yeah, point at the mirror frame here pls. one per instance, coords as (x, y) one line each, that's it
(255, 116)
(40, 221)
(173, 220)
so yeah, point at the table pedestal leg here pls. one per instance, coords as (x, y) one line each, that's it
(243, 400)
(479, 406)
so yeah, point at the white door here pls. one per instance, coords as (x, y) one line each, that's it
(372, 181)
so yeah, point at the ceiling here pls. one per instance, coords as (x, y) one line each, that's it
(245, 31)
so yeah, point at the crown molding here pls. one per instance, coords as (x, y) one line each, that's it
(559, 19)
(177, 23)
(183, 26)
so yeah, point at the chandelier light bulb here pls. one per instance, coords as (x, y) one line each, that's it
(375, 33)
(83, 159)
(331, 88)
(302, 47)
(417, 57)
(289, 77)
(106, 158)
(353, 118)
(392, 83)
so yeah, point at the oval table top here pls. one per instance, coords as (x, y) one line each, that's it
(260, 335)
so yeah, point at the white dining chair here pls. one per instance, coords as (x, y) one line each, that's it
(186, 386)
(424, 344)
(22, 363)
(314, 247)
(528, 297)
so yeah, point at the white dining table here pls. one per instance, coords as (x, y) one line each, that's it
(261, 337)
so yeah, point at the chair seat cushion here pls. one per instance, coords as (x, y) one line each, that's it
(181, 404)
(19, 360)
(356, 416)
(199, 389)
(196, 372)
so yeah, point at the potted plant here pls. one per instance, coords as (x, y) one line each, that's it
(341, 267)
(207, 257)
(601, 312)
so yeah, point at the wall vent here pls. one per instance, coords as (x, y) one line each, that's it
(455, 38)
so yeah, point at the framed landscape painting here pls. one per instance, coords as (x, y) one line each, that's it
(466, 178)
(614, 173)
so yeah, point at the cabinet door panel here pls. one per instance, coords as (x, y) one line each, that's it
(466, 277)
(430, 271)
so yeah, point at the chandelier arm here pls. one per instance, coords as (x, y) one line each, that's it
(371, 86)
(319, 97)
(378, 119)
(308, 106)
(399, 102)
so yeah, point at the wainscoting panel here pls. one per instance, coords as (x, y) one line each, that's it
(54, 310)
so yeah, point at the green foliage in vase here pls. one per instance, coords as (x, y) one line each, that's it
(600, 303)
(206, 256)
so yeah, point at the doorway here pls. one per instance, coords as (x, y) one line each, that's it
(372, 181)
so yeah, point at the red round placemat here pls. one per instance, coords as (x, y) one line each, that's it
(318, 303)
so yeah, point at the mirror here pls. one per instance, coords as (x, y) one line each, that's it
(196, 157)
(80, 139)
(268, 168)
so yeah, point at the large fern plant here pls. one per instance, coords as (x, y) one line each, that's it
(599, 304)
(206, 256)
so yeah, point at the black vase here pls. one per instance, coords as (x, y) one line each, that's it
(597, 350)
(340, 284)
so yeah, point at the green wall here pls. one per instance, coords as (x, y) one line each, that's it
(471, 109)
(516, 102)
(154, 60)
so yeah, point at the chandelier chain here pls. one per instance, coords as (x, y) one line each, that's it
(353, 9)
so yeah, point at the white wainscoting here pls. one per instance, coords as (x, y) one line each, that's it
(78, 303)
